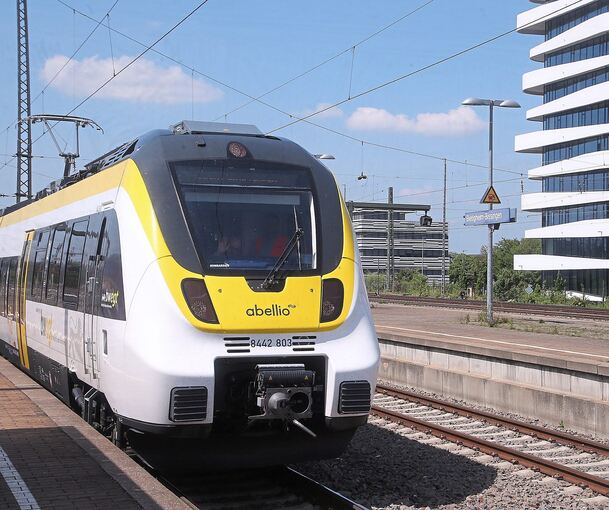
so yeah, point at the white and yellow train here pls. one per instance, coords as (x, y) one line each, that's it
(197, 288)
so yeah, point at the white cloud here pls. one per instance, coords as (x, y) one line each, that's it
(458, 122)
(143, 82)
(327, 114)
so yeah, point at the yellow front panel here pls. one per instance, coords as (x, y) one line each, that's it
(239, 308)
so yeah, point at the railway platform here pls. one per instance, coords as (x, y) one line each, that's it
(50, 459)
(560, 379)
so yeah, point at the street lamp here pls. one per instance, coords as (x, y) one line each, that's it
(501, 103)
(323, 156)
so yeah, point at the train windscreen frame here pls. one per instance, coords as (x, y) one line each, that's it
(242, 216)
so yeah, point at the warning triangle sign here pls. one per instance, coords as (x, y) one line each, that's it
(490, 196)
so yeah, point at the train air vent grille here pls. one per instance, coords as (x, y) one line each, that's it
(188, 404)
(236, 344)
(354, 397)
(303, 343)
(115, 155)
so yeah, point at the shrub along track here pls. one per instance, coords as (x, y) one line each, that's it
(519, 308)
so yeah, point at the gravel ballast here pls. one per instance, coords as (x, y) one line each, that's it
(388, 466)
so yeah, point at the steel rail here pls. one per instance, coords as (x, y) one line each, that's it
(520, 308)
(542, 465)
(196, 491)
(563, 438)
(322, 495)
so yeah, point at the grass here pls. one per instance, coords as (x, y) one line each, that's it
(594, 330)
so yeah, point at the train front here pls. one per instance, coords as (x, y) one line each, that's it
(272, 355)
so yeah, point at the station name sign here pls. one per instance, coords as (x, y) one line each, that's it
(490, 217)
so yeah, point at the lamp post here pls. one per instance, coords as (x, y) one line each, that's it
(491, 103)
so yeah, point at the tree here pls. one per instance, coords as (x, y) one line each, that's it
(510, 284)
(468, 271)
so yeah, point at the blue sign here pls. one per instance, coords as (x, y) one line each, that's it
(490, 217)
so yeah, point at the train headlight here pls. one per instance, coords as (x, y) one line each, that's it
(332, 295)
(198, 300)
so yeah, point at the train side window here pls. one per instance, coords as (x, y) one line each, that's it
(74, 263)
(54, 264)
(112, 299)
(3, 264)
(39, 249)
(12, 284)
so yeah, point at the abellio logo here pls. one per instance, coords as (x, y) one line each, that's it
(272, 311)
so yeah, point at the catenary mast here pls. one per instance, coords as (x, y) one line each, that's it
(24, 126)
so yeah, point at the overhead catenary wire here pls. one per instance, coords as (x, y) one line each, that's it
(485, 183)
(419, 70)
(65, 64)
(305, 118)
(330, 59)
(132, 61)
(279, 110)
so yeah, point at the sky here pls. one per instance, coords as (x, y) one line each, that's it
(228, 50)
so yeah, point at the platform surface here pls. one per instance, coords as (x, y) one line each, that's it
(446, 328)
(50, 459)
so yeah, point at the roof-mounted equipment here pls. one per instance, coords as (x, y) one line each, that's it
(69, 157)
(196, 127)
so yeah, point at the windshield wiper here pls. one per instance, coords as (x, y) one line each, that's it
(271, 278)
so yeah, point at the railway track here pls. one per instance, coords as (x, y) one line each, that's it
(277, 487)
(520, 308)
(556, 454)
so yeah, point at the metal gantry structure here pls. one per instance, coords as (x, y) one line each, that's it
(24, 126)
(390, 207)
(390, 242)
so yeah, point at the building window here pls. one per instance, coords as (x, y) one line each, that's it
(579, 182)
(558, 152)
(562, 88)
(588, 116)
(562, 215)
(592, 48)
(563, 23)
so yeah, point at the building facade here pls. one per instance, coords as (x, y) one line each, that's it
(573, 142)
(414, 247)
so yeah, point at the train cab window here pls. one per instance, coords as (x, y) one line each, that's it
(54, 264)
(39, 250)
(11, 287)
(245, 218)
(74, 263)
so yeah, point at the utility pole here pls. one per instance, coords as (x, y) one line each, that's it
(444, 235)
(491, 228)
(24, 126)
(491, 103)
(390, 259)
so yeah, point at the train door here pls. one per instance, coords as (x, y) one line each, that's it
(93, 272)
(20, 301)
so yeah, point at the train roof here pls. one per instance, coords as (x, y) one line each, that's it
(146, 146)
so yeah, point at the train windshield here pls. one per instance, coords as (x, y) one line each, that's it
(243, 219)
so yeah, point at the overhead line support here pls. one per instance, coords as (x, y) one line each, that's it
(24, 126)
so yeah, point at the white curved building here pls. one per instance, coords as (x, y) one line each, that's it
(573, 141)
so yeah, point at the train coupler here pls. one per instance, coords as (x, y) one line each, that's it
(284, 392)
